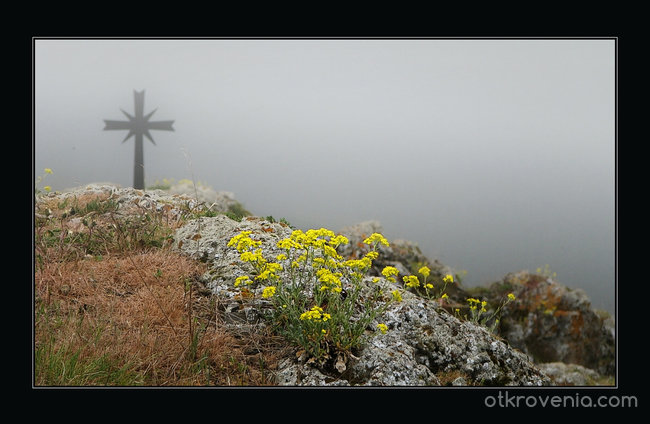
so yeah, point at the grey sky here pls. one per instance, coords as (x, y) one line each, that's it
(493, 155)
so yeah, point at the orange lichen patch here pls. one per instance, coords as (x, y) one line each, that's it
(577, 320)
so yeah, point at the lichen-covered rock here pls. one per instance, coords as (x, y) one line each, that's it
(217, 201)
(125, 201)
(572, 375)
(422, 341)
(553, 323)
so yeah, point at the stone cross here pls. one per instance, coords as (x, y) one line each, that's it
(138, 126)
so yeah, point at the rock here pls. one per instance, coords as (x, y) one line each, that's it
(459, 381)
(218, 201)
(121, 201)
(553, 323)
(571, 374)
(422, 342)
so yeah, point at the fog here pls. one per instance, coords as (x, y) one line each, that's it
(493, 155)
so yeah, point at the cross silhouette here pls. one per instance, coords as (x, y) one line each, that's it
(138, 126)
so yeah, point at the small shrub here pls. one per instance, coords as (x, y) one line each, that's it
(480, 315)
(317, 297)
(237, 211)
(427, 288)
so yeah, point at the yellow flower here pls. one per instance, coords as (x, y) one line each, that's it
(319, 261)
(243, 242)
(330, 251)
(444, 296)
(281, 257)
(268, 292)
(448, 278)
(411, 281)
(243, 279)
(253, 256)
(375, 279)
(287, 244)
(269, 271)
(361, 264)
(316, 313)
(428, 286)
(511, 296)
(389, 272)
(47, 188)
(397, 295)
(424, 271)
(376, 238)
(383, 328)
(48, 171)
(372, 255)
(339, 240)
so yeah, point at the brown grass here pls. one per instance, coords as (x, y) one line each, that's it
(144, 311)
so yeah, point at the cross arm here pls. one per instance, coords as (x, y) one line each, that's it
(117, 125)
(161, 125)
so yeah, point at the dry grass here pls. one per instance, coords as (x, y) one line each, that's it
(140, 314)
(133, 315)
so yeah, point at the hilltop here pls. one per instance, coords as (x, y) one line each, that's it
(138, 287)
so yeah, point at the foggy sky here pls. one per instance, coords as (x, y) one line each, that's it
(493, 155)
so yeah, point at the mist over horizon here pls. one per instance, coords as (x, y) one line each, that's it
(492, 155)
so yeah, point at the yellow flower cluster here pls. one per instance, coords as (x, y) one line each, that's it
(511, 296)
(243, 242)
(390, 272)
(288, 244)
(448, 279)
(320, 239)
(383, 328)
(315, 314)
(245, 279)
(411, 281)
(331, 281)
(474, 303)
(375, 239)
(270, 270)
(359, 264)
(425, 271)
(268, 292)
(253, 257)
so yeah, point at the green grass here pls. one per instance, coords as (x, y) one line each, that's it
(60, 363)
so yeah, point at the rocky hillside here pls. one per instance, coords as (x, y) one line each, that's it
(429, 339)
